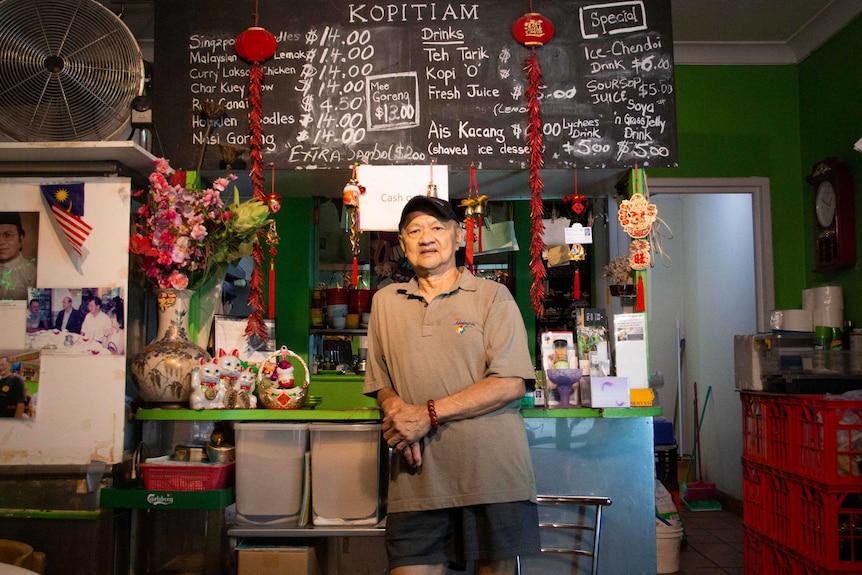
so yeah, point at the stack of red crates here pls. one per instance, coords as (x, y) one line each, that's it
(802, 484)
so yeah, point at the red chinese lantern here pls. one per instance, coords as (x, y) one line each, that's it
(255, 45)
(533, 29)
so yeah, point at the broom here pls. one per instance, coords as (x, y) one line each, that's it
(699, 495)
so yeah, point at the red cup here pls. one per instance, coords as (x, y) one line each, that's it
(336, 296)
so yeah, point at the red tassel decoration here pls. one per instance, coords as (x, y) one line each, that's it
(468, 251)
(640, 306)
(537, 147)
(354, 277)
(576, 291)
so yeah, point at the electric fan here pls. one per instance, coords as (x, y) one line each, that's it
(69, 68)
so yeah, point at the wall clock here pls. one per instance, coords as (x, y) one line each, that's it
(834, 225)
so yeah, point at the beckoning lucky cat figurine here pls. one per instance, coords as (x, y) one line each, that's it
(207, 389)
(230, 367)
(247, 384)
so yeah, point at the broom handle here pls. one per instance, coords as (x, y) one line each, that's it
(699, 425)
(697, 435)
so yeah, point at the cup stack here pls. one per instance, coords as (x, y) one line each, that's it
(359, 301)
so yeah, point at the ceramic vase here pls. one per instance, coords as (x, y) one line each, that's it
(163, 370)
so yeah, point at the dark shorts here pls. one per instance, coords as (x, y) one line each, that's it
(456, 536)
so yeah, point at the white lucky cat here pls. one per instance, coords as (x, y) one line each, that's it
(207, 390)
(230, 367)
(247, 384)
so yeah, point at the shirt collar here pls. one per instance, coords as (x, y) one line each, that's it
(466, 281)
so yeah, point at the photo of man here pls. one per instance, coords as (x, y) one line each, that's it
(18, 242)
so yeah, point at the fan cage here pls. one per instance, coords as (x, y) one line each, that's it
(70, 70)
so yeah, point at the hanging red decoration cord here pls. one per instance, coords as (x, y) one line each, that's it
(350, 199)
(274, 203)
(469, 205)
(256, 45)
(533, 29)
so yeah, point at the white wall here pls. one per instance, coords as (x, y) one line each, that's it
(706, 281)
(81, 409)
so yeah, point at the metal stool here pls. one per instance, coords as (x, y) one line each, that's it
(584, 502)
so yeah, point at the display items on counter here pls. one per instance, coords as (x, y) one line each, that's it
(558, 354)
(276, 384)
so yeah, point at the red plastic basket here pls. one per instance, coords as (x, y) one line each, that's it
(830, 522)
(769, 430)
(830, 440)
(191, 477)
(753, 497)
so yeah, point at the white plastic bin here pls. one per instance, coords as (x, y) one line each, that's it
(668, 543)
(345, 473)
(270, 471)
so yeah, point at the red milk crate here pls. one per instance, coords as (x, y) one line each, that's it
(769, 429)
(782, 445)
(753, 496)
(830, 521)
(752, 550)
(754, 426)
(781, 494)
(830, 440)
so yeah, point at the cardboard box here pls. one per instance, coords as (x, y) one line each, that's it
(277, 561)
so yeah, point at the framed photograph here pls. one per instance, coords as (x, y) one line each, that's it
(229, 335)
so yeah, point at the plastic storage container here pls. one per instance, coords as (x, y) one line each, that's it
(270, 471)
(346, 461)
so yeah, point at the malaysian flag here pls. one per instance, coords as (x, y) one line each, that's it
(67, 207)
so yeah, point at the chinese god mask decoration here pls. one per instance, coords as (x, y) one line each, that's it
(636, 216)
(534, 30)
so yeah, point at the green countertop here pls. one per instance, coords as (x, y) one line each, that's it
(343, 400)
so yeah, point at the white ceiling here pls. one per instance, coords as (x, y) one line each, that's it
(755, 31)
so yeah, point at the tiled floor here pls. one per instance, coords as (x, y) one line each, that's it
(712, 543)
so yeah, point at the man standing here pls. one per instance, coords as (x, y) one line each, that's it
(448, 362)
(96, 324)
(16, 273)
(13, 393)
(70, 318)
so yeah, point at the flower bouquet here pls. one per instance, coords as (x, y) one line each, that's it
(183, 236)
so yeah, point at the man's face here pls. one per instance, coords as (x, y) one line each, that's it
(430, 244)
(92, 307)
(5, 367)
(10, 242)
(67, 303)
(34, 307)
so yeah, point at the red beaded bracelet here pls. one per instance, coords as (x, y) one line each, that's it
(432, 414)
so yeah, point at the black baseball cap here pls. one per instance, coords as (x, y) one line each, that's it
(437, 207)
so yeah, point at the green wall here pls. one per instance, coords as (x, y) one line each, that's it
(830, 103)
(740, 121)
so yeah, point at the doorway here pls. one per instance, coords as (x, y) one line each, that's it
(711, 281)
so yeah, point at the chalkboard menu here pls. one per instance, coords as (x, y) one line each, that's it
(419, 82)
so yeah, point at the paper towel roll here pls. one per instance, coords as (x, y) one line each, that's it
(797, 320)
(808, 296)
(828, 296)
(828, 316)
